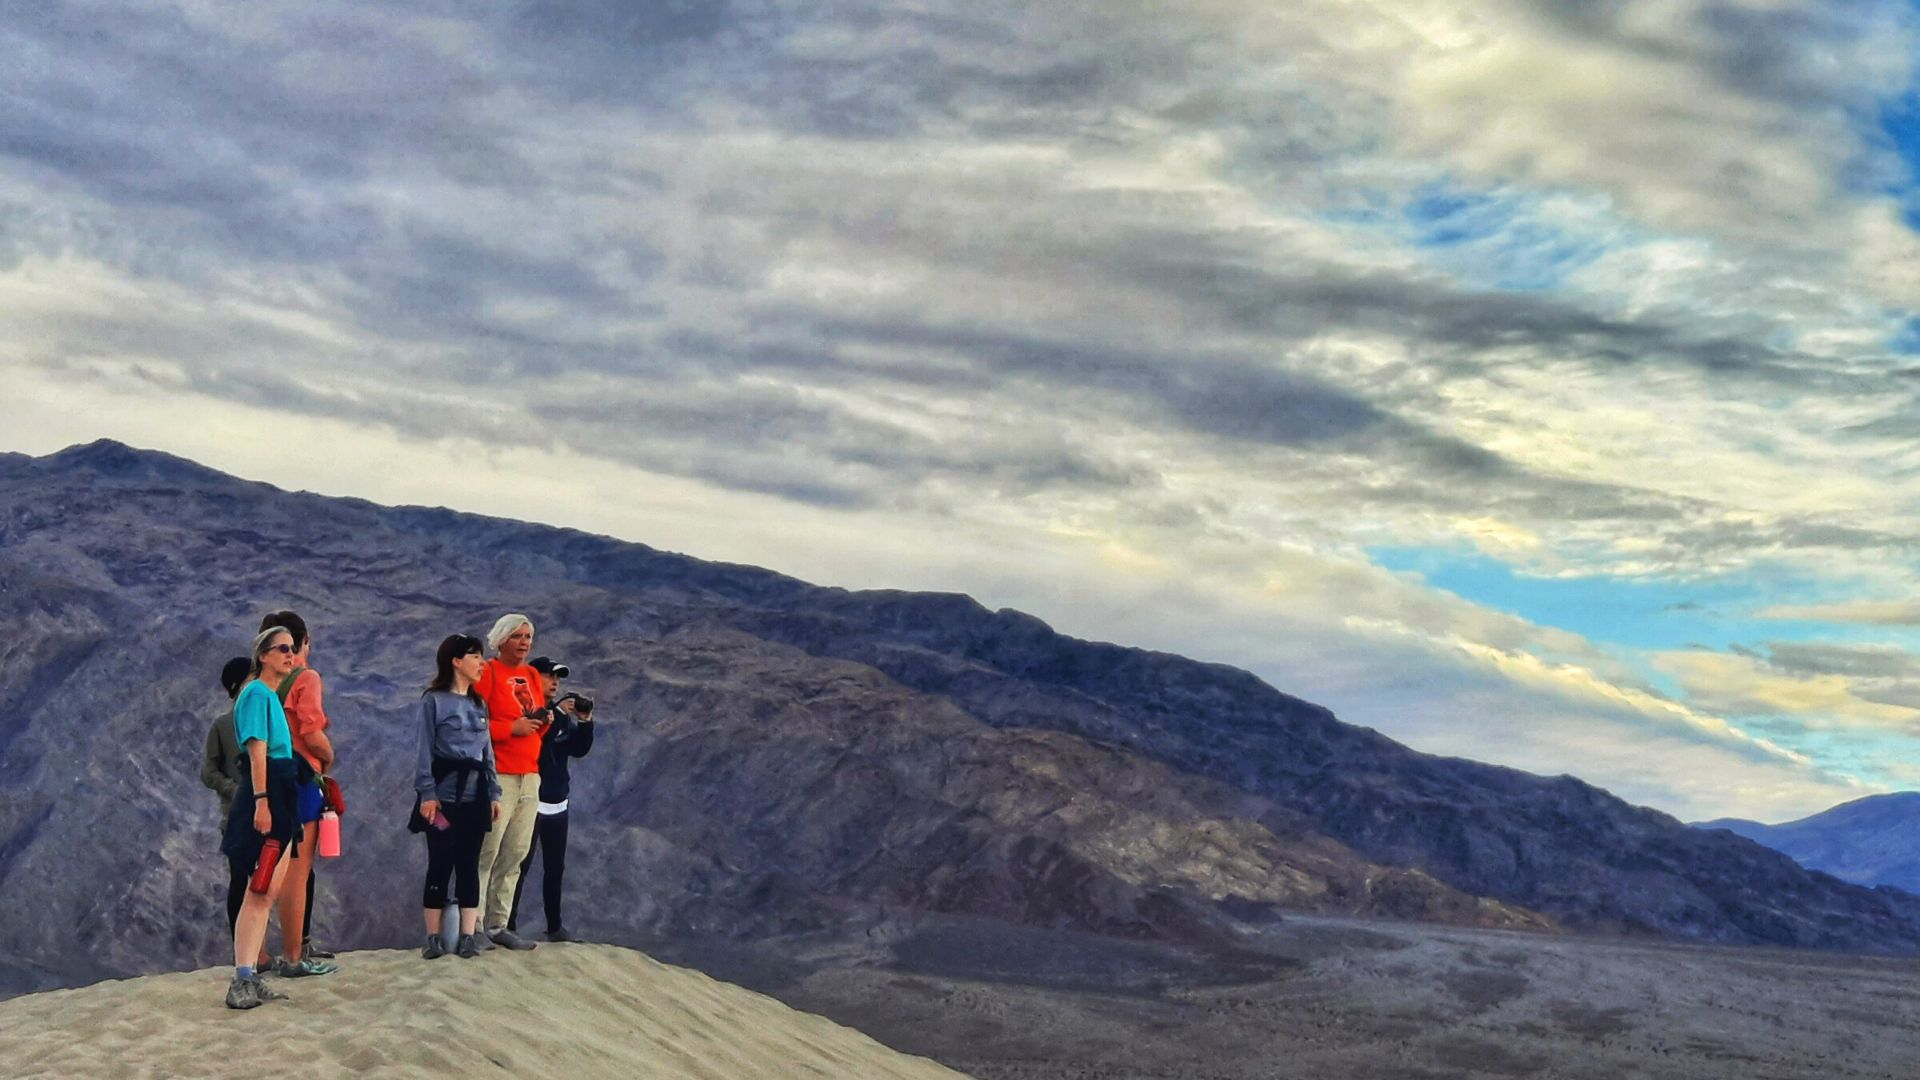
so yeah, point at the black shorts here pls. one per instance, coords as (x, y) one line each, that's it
(241, 842)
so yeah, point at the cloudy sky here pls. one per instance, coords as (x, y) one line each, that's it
(1531, 380)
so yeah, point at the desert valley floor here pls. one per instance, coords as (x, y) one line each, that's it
(1345, 1000)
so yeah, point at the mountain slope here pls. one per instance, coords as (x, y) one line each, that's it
(774, 757)
(1870, 841)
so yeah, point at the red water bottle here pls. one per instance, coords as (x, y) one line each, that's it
(329, 835)
(263, 870)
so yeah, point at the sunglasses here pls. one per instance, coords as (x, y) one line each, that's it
(283, 647)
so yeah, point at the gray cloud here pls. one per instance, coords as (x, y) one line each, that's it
(415, 183)
(1779, 53)
(1098, 272)
(1861, 661)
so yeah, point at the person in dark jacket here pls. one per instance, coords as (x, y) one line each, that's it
(569, 736)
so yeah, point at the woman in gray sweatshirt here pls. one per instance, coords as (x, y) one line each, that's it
(458, 787)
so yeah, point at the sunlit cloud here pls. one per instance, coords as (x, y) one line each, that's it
(1870, 612)
(1741, 685)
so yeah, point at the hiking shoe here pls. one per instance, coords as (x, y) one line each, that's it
(265, 992)
(469, 948)
(241, 994)
(307, 966)
(435, 948)
(507, 939)
(561, 934)
(481, 940)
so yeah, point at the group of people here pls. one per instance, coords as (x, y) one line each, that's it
(495, 736)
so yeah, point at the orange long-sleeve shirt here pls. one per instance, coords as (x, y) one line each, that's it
(510, 693)
(305, 716)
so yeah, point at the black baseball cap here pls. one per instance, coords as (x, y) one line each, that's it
(235, 674)
(546, 665)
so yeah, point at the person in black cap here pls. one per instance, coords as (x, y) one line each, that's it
(569, 736)
(220, 765)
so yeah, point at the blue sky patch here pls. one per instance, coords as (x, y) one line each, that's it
(1494, 240)
(1906, 340)
(1638, 613)
(1900, 126)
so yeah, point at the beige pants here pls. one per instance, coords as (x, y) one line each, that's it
(506, 846)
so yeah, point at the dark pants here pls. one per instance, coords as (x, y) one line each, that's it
(237, 876)
(550, 840)
(456, 850)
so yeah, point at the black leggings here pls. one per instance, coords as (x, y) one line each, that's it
(550, 840)
(456, 850)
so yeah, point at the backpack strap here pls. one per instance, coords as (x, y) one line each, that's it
(286, 684)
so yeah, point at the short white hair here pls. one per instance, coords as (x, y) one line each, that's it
(505, 626)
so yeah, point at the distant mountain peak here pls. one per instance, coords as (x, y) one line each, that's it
(106, 455)
(1867, 841)
(115, 459)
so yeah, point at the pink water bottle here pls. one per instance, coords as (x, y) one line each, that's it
(329, 835)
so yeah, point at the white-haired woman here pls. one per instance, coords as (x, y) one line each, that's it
(516, 716)
(264, 822)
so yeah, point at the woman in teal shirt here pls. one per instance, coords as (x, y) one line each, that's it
(265, 808)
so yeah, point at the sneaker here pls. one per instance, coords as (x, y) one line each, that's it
(481, 940)
(307, 966)
(469, 947)
(265, 992)
(507, 939)
(241, 994)
(435, 948)
(561, 934)
(318, 953)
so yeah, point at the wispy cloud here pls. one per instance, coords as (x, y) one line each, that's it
(1871, 612)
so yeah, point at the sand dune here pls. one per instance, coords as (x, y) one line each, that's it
(561, 1011)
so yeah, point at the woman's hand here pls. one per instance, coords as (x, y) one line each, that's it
(262, 817)
(496, 810)
(428, 808)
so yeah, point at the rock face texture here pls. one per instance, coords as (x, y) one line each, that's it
(773, 757)
(1871, 841)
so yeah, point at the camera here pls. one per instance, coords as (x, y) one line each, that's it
(582, 704)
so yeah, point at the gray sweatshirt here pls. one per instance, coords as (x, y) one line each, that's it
(453, 726)
(221, 761)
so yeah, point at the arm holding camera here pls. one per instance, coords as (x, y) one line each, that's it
(578, 737)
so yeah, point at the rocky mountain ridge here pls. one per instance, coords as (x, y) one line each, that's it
(775, 757)
(1872, 841)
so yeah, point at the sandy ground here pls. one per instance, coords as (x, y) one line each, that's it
(561, 1011)
(1354, 1000)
